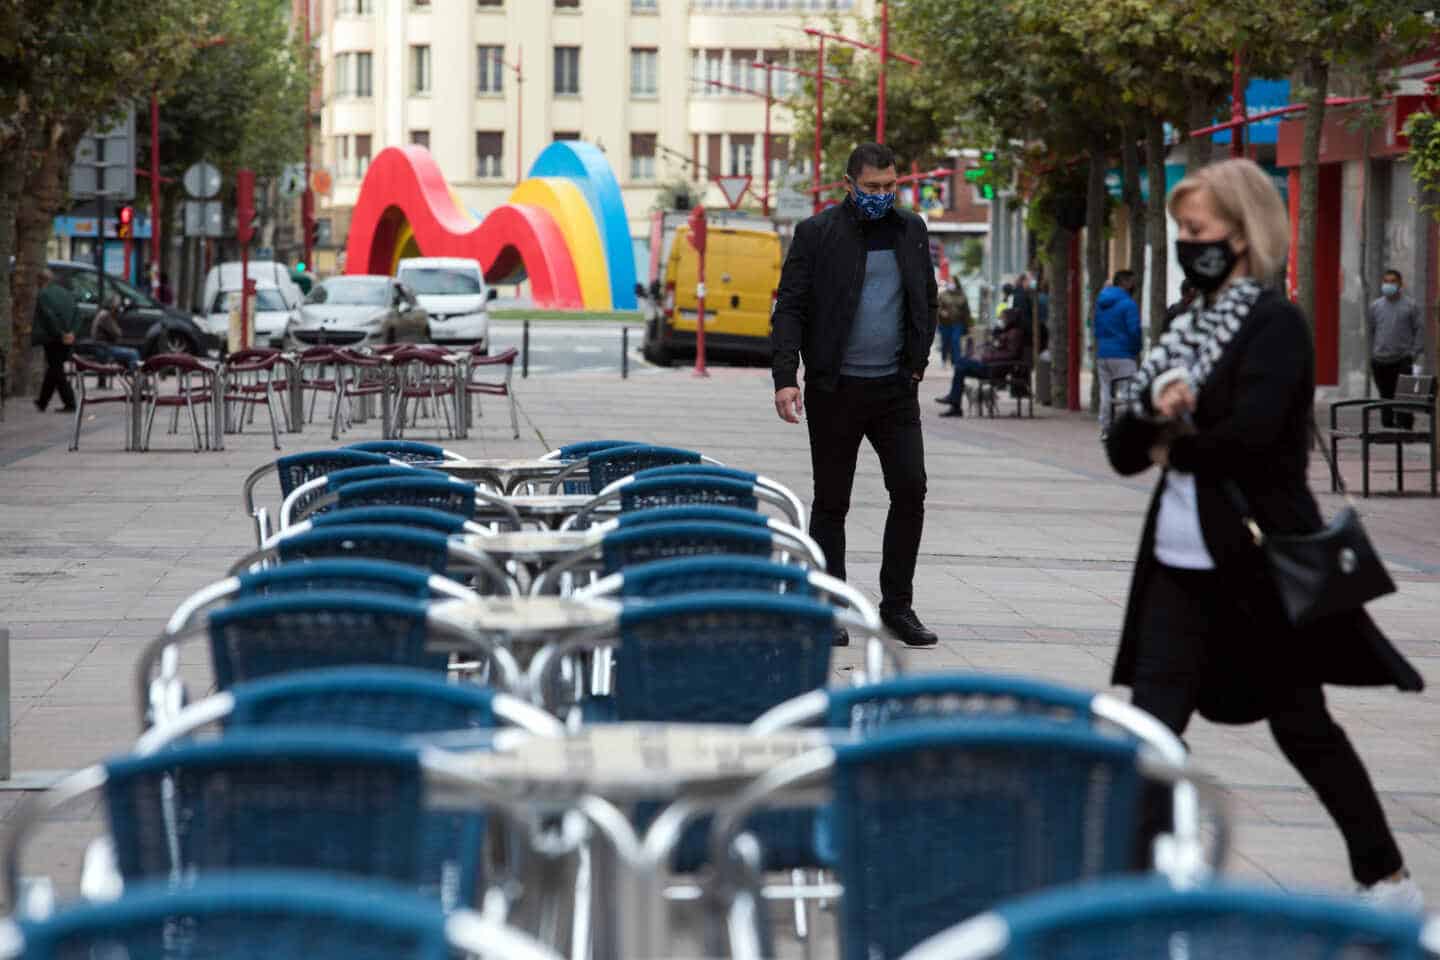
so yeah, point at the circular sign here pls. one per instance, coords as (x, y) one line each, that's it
(321, 181)
(202, 180)
(292, 181)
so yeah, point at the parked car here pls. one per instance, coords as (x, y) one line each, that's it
(145, 324)
(452, 290)
(357, 309)
(270, 312)
(266, 273)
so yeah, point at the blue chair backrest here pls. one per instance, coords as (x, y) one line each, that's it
(263, 636)
(1138, 917)
(434, 493)
(685, 490)
(244, 915)
(384, 699)
(665, 578)
(337, 801)
(409, 545)
(372, 576)
(939, 822)
(341, 478)
(419, 518)
(611, 464)
(698, 470)
(411, 451)
(928, 697)
(297, 469)
(719, 657)
(665, 541)
(574, 451)
(702, 513)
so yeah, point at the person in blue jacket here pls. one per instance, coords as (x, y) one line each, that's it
(1117, 338)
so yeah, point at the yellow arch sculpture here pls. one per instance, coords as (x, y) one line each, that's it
(567, 205)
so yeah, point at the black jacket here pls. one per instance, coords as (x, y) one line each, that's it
(1253, 427)
(820, 291)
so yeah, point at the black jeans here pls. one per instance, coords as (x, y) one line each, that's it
(56, 353)
(1385, 376)
(1186, 611)
(886, 411)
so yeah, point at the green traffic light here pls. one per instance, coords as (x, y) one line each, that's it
(987, 192)
(300, 267)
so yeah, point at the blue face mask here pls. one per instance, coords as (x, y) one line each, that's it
(1389, 289)
(873, 206)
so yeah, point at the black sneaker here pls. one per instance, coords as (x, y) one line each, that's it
(842, 638)
(946, 400)
(908, 628)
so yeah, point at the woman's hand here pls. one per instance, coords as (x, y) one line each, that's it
(1176, 400)
(1160, 455)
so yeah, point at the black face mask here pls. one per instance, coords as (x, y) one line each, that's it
(1206, 263)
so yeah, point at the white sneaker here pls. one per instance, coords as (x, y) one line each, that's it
(1403, 894)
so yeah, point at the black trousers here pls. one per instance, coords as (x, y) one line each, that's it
(56, 353)
(886, 411)
(1186, 611)
(1385, 376)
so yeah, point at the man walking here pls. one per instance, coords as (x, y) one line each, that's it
(1117, 339)
(858, 302)
(54, 332)
(1397, 340)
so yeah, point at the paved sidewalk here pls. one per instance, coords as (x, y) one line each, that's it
(1028, 548)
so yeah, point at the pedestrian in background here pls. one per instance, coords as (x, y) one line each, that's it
(1008, 347)
(955, 320)
(1117, 339)
(105, 332)
(1397, 341)
(1223, 404)
(858, 302)
(54, 332)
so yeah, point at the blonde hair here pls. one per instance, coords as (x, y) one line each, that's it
(1246, 198)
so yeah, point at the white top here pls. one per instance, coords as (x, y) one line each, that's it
(1178, 540)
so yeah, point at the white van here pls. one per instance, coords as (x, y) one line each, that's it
(225, 277)
(269, 312)
(452, 290)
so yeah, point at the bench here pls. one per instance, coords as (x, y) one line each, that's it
(1414, 395)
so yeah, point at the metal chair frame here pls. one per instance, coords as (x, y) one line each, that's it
(417, 518)
(594, 460)
(425, 373)
(407, 451)
(311, 498)
(476, 363)
(796, 509)
(700, 484)
(80, 367)
(312, 463)
(186, 395)
(249, 379)
(305, 495)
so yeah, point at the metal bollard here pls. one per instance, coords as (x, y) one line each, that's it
(525, 350)
(4, 703)
(624, 353)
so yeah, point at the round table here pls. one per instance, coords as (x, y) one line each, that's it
(502, 474)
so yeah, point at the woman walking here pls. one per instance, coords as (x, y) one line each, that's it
(1223, 404)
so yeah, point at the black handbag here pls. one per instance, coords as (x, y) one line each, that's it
(1334, 570)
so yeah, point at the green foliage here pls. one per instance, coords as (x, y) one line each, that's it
(972, 255)
(675, 195)
(1423, 130)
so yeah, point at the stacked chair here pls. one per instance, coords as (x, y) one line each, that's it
(368, 763)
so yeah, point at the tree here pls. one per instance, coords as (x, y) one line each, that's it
(65, 66)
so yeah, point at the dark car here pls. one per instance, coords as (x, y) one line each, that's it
(145, 324)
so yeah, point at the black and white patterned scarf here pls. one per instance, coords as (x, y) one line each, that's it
(1194, 343)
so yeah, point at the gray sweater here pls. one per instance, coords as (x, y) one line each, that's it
(1396, 331)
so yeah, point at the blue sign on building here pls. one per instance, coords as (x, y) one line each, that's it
(1261, 96)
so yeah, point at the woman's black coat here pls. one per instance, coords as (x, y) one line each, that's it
(1253, 427)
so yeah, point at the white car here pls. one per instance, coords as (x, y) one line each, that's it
(355, 310)
(271, 315)
(452, 290)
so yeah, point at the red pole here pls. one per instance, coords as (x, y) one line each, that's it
(155, 191)
(819, 116)
(915, 184)
(1072, 373)
(307, 198)
(765, 200)
(884, 58)
(1237, 112)
(130, 230)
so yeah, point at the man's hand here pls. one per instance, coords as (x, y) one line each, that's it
(789, 404)
(917, 376)
(1176, 400)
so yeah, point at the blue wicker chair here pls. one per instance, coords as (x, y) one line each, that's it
(295, 470)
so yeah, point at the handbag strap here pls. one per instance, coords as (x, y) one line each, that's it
(1237, 498)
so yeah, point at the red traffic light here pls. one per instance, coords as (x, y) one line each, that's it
(697, 228)
(127, 215)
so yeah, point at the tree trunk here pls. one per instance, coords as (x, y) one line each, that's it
(12, 182)
(1060, 308)
(44, 193)
(1134, 202)
(1159, 240)
(1094, 246)
(1317, 78)
(1199, 151)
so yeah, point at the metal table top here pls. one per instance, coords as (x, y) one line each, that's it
(531, 546)
(504, 474)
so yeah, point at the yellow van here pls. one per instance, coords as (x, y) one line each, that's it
(742, 273)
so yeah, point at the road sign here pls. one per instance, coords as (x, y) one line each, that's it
(734, 188)
(792, 202)
(321, 181)
(204, 218)
(292, 181)
(105, 162)
(202, 180)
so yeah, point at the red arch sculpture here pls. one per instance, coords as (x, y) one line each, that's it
(404, 185)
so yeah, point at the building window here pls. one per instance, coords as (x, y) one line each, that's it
(342, 156)
(705, 66)
(643, 6)
(642, 156)
(490, 69)
(422, 4)
(421, 138)
(420, 68)
(356, 7)
(644, 71)
(567, 4)
(567, 70)
(742, 71)
(489, 3)
(363, 74)
(489, 147)
(742, 154)
(782, 82)
(353, 74)
(362, 153)
(567, 135)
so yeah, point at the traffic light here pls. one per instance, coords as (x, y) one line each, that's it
(127, 222)
(983, 175)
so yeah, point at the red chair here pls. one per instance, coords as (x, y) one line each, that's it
(188, 392)
(480, 363)
(82, 370)
(251, 378)
(424, 373)
(319, 372)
